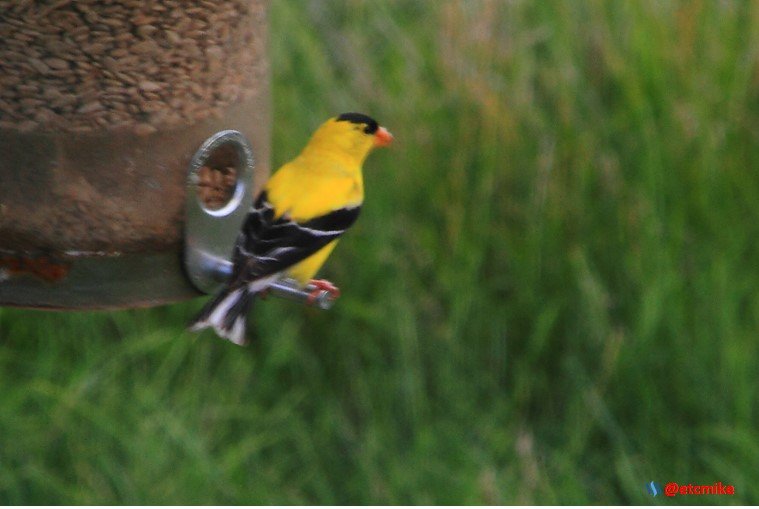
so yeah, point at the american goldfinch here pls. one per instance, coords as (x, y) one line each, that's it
(296, 220)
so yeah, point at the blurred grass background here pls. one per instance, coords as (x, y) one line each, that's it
(551, 295)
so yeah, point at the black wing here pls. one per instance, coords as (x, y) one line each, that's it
(267, 245)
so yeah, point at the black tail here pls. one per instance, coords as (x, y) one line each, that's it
(226, 313)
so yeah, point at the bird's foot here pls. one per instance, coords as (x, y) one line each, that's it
(317, 286)
(263, 294)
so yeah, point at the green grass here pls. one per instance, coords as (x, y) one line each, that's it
(551, 295)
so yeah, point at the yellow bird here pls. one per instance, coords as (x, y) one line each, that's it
(296, 220)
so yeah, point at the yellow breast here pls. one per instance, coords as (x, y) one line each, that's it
(304, 192)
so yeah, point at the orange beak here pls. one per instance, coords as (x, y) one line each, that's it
(382, 138)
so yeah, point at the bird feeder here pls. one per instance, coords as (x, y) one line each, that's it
(122, 124)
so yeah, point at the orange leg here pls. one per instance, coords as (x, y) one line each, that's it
(321, 285)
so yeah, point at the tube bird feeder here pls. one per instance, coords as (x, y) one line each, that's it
(103, 106)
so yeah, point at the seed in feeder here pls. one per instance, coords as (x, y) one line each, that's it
(57, 63)
(144, 129)
(72, 47)
(216, 186)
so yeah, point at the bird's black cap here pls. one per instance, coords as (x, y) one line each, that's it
(360, 118)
